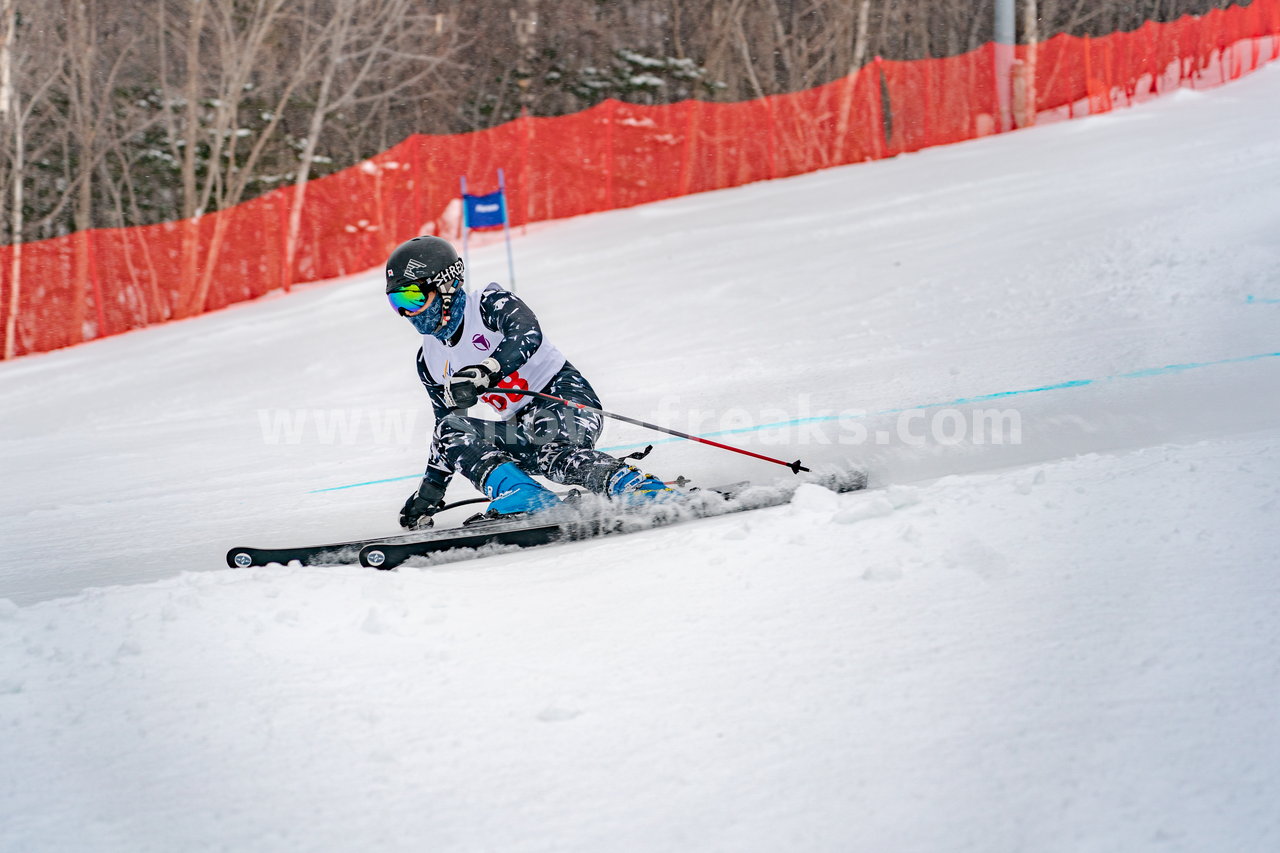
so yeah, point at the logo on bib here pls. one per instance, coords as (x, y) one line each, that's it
(480, 342)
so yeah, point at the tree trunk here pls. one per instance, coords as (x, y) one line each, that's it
(314, 129)
(1025, 81)
(860, 39)
(190, 138)
(526, 27)
(11, 114)
(191, 124)
(84, 106)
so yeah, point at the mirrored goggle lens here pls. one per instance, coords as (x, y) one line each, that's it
(408, 298)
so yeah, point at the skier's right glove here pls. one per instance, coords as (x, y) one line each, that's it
(421, 505)
(462, 389)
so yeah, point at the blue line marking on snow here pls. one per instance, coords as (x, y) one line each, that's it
(1254, 300)
(1145, 373)
(369, 483)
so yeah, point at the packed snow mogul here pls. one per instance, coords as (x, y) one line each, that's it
(473, 343)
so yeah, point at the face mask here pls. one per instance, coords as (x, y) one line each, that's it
(427, 321)
(456, 311)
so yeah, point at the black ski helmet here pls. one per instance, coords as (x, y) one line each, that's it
(430, 263)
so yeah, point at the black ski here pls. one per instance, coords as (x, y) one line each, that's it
(589, 519)
(333, 554)
(585, 519)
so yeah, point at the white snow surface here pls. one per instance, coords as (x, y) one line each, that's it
(1065, 642)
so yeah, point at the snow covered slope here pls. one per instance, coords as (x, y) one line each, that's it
(1066, 640)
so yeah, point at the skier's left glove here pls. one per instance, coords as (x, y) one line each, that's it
(421, 505)
(462, 389)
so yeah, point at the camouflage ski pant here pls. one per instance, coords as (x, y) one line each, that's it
(546, 438)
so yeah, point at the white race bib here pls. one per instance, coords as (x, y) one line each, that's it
(476, 343)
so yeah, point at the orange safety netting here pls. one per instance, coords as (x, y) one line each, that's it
(59, 292)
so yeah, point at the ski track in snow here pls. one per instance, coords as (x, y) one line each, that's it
(1063, 643)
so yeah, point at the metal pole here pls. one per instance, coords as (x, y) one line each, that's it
(796, 467)
(1005, 37)
(506, 229)
(466, 261)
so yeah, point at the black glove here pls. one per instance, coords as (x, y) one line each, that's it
(462, 389)
(421, 505)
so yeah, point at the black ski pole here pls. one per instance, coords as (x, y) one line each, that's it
(796, 467)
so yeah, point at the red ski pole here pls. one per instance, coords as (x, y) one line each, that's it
(796, 467)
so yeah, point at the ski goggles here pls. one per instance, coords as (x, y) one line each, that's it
(409, 298)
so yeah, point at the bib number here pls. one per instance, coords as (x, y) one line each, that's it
(501, 402)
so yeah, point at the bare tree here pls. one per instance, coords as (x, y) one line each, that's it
(170, 109)
(100, 47)
(231, 38)
(358, 43)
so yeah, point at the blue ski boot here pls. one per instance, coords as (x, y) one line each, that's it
(632, 487)
(512, 492)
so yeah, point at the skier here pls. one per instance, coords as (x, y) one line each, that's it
(475, 342)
